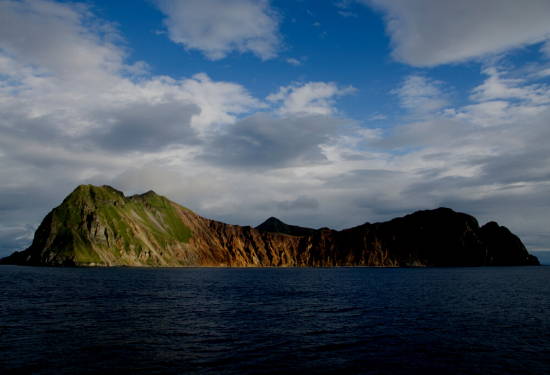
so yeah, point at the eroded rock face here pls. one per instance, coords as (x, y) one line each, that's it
(99, 226)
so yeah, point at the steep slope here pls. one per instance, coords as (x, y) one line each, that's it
(99, 226)
(439, 237)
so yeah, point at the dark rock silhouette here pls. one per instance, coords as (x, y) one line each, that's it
(99, 226)
(275, 225)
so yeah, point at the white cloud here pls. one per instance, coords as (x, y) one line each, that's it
(219, 27)
(347, 14)
(378, 117)
(61, 65)
(420, 95)
(293, 61)
(501, 100)
(312, 98)
(219, 102)
(498, 87)
(433, 32)
(52, 37)
(543, 73)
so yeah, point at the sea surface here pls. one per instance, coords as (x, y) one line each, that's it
(275, 321)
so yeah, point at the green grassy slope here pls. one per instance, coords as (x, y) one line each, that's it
(99, 225)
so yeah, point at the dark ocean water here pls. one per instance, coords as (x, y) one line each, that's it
(275, 321)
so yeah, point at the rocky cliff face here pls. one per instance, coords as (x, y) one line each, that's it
(99, 226)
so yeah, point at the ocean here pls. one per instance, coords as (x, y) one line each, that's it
(484, 320)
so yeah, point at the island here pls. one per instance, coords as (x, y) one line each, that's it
(100, 226)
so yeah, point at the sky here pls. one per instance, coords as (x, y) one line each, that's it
(321, 113)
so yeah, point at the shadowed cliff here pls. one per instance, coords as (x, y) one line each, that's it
(99, 226)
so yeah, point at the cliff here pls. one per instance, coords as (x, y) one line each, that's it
(99, 226)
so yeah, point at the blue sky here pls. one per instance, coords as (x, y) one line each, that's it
(322, 113)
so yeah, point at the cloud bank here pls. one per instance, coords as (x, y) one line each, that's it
(432, 32)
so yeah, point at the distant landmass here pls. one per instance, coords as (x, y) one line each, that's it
(99, 226)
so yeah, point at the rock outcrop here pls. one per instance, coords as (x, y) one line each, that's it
(99, 226)
(275, 225)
